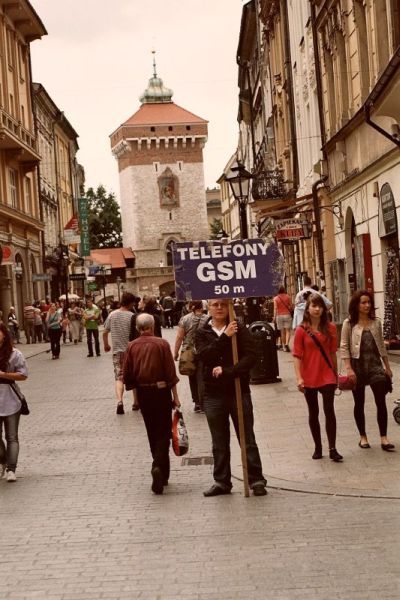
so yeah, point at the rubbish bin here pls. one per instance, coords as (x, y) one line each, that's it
(266, 369)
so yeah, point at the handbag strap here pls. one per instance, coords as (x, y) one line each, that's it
(284, 303)
(320, 348)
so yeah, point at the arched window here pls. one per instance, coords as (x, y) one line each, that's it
(168, 252)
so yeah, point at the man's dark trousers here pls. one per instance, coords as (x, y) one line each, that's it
(93, 333)
(156, 407)
(218, 409)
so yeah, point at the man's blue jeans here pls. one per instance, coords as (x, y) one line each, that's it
(218, 410)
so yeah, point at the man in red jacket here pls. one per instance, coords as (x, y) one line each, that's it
(149, 370)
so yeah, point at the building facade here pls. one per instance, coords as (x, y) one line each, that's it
(61, 180)
(214, 215)
(21, 222)
(160, 159)
(359, 59)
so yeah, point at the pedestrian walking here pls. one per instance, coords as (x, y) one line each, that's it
(12, 369)
(315, 365)
(13, 325)
(65, 325)
(54, 329)
(44, 308)
(75, 317)
(365, 357)
(301, 300)
(149, 370)
(184, 342)
(91, 319)
(38, 331)
(118, 323)
(214, 349)
(167, 304)
(150, 306)
(29, 322)
(283, 317)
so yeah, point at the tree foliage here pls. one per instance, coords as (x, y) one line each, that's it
(104, 219)
(216, 228)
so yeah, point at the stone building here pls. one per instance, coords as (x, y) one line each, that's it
(61, 179)
(21, 222)
(159, 150)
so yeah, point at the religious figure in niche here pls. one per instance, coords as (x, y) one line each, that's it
(168, 185)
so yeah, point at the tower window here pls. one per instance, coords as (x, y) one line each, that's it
(170, 216)
(180, 165)
(170, 128)
(152, 128)
(187, 127)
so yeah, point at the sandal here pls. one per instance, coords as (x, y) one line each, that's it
(120, 408)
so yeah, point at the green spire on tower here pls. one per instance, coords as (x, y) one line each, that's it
(156, 92)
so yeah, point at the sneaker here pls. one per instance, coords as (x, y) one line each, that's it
(11, 476)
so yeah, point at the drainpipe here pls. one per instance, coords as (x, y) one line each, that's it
(253, 142)
(289, 91)
(317, 214)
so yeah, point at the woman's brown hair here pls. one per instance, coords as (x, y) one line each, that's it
(317, 300)
(6, 348)
(355, 303)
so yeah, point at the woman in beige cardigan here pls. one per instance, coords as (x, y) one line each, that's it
(366, 361)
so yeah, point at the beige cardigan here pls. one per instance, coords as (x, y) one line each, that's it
(351, 339)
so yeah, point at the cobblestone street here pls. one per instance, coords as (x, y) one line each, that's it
(82, 523)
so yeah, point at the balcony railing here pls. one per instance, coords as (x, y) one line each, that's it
(268, 185)
(16, 133)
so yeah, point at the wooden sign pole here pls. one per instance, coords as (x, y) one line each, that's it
(239, 404)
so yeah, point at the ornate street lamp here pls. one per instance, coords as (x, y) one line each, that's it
(239, 180)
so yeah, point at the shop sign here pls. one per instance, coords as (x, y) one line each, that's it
(387, 212)
(292, 229)
(92, 286)
(6, 255)
(84, 226)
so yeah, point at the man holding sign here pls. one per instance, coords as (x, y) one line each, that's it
(213, 344)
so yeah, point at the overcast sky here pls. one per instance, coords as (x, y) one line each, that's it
(96, 61)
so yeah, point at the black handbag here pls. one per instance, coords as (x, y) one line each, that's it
(24, 405)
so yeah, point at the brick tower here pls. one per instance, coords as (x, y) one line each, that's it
(160, 159)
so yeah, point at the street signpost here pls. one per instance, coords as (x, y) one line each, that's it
(242, 268)
(41, 277)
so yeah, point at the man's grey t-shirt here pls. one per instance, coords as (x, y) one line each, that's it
(119, 324)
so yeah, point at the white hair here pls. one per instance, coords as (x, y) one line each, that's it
(144, 322)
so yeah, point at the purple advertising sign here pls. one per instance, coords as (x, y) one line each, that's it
(212, 269)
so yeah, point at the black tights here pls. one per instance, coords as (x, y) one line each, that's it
(328, 396)
(379, 391)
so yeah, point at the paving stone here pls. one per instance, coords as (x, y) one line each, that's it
(82, 523)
